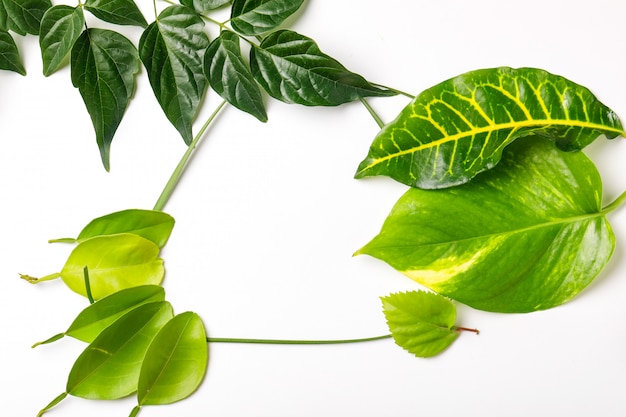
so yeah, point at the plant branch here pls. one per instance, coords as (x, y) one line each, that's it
(615, 204)
(294, 342)
(375, 115)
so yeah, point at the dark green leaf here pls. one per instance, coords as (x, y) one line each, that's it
(120, 12)
(104, 64)
(60, 28)
(291, 68)
(230, 77)
(9, 54)
(254, 17)
(22, 16)
(172, 49)
(203, 6)
(527, 235)
(458, 128)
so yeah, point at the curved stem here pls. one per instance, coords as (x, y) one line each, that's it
(375, 115)
(615, 204)
(294, 342)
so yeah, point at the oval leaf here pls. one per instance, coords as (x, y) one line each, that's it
(22, 16)
(60, 28)
(527, 235)
(104, 64)
(291, 68)
(254, 17)
(9, 54)
(230, 77)
(120, 12)
(172, 49)
(203, 6)
(458, 128)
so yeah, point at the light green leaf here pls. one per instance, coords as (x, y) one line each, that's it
(255, 17)
(9, 54)
(119, 12)
(231, 78)
(203, 6)
(60, 28)
(172, 50)
(456, 129)
(528, 235)
(104, 64)
(115, 262)
(292, 68)
(22, 16)
(421, 322)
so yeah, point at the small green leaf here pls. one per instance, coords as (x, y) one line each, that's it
(119, 12)
(9, 54)
(421, 322)
(527, 235)
(203, 6)
(456, 129)
(255, 17)
(60, 28)
(230, 77)
(291, 68)
(172, 49)
(115, 262)
(104, 64)
(22, 16)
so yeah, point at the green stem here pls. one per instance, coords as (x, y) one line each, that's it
(400, 92)
(615, 204)
(34, 280)
(88, 284)
(180, 168)
(52, 404)
(375, 115)
(294, 342)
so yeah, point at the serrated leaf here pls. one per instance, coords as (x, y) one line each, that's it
(456, 129)
(119, 12)
(231, 78)
(104, 64)
(22, 16)
(292, 68)
(9, 54)
(172, 50)
(422, 323)
(255, 17)
(527, 235)
(60, 28)
(203, 6)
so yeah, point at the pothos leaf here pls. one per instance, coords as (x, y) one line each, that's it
(22, 16)
(104, 64)
(421, 322)
(172, 49)
(292, 68)
(119, 12)
(458, 128)
(9, 54)
(60, 28)
(254, 17)
(528, 235)
(202, 6)
(230, 77)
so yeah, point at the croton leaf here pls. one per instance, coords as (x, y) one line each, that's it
(172, 50)
(60, 28)
(22, 16)
(231, 78)
(528, 235)
(292, 68)
(458, 128)
(104, 64)
(119, 12)
(254, 17)
(9, 54)
(203, 6)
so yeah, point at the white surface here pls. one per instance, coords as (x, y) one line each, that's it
(268, 216)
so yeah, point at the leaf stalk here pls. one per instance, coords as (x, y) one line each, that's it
(294, 342)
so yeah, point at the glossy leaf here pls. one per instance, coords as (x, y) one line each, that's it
(9, 54)
(292, 68)
(60, 28)
(22, 16)
(528, 235)
(456, 129)
(421, 322)
(172, 50)
(109, 367)
(230, 76)
(115, 262)
(104, 64)
(120, 12)
(175, 363)
(255, 17)
(203, 6)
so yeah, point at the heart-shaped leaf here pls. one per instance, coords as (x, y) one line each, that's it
(120, 12)
(9, 54)
(528, 235)
(292, 68)
(254, 17)
(458, 128)
(22, 16)
(203, 6)
(60, 28)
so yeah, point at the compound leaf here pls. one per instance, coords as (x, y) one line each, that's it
(119, 12)
(254, 17)
(22, 16)
(60, 28)
(9, 54)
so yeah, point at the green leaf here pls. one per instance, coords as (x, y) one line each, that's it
(119, 12)
(230, 77)
(60, 28)
(254, 17)
(175, 363)
(203, 6)
(109, 367)
(291, 68)
(104, 64)
(456, 129)
(9, 54)
(22, 16)
(528, 235)
(115, 262)
(421, 322)
(172, 49)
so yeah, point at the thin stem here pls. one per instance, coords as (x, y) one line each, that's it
(88, 285)
(293, 342)
(467, 329)
(400, 92)
(375, 115)
(180, 168)
(615, 204)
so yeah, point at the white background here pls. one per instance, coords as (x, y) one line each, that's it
(268, 216)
